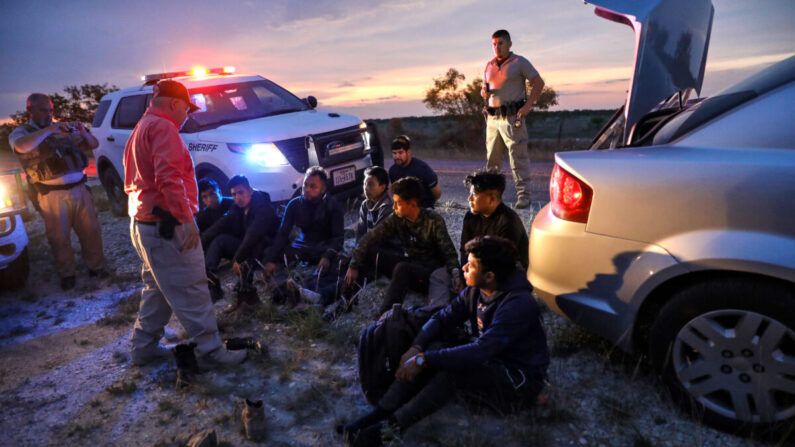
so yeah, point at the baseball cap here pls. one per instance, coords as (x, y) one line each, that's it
(173, 89)
(401, 142)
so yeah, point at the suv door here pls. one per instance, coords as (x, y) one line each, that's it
(128, 112)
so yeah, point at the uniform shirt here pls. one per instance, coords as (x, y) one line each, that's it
(421, 170)
(21, 131)
(425, 240)
(158, 170)
(507, 80)
(503, 222)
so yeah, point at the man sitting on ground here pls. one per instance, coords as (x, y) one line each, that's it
(320, 219)
(376, 207)
(241, 235)
(406, 165)
(504, 366)
(489, 216)
(432, 261)
(215, 205)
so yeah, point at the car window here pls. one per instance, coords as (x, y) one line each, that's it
(129, 111)
(230, 103)
(765, 122)
(102, 110)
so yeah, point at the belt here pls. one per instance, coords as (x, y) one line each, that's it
(505, 110)
(45, 189)
(140, 222)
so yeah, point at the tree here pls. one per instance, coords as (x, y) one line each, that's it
(77, 103)
(450, 96)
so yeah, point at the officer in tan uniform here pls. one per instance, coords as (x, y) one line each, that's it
(507, 105)
(53, 159)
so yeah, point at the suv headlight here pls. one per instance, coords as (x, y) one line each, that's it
(263, 154)
(12, 200)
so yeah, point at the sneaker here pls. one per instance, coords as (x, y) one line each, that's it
(68, 282)
(522, 203)
(222, 357)
(254, 420)
(143, 356)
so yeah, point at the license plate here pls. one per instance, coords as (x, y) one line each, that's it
(344, 175)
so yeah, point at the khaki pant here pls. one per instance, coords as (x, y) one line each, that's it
(501, 134)
(174, 281)
(63, 210)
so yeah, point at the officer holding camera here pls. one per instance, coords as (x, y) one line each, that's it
(507, 105)
(163, 197)
(52, 156)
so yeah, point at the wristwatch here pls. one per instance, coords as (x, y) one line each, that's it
(419, 359)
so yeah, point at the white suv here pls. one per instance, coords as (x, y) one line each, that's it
(246, 125)
(14, 266)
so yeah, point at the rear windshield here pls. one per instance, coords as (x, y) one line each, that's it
(230, 103)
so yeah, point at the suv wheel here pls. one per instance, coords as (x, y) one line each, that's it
(726, 350)
(16, 273)
(114, 188)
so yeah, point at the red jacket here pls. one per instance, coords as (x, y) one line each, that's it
(158, 170)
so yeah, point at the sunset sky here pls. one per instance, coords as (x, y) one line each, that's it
(374, 59)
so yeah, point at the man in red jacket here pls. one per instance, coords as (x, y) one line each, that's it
(161, 184)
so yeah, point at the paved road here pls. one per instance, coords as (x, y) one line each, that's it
(452, 172)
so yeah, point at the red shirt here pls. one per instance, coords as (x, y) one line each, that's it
(158, 170)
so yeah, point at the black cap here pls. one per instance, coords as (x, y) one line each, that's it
(401, 142)
(173, 89)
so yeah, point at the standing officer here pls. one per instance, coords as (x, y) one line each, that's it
(51, 154)
(507, 105)
(161, 184)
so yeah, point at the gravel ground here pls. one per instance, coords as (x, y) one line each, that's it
(66, 379)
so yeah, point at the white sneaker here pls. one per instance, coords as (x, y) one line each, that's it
(222, 357)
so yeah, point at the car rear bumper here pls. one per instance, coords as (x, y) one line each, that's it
(594, 280)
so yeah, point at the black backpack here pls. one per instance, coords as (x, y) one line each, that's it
(380, 346)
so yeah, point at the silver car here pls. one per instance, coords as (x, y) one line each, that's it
(675, 235)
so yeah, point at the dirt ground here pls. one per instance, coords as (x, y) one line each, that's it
(66, 377)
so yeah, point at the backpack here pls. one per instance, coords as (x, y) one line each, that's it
(380, 346)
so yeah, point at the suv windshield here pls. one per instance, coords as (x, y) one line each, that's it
(230, 103)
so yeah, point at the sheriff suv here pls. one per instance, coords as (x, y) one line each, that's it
(246, 125)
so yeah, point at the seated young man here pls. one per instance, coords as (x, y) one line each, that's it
(408, 166)
(376, 207)
(241, 235)
(215, 205)
(504, 365)
(489, 216)
(432, 263)
(320, 219)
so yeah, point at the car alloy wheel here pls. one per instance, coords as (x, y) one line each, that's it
(736, 363)
(725, 348)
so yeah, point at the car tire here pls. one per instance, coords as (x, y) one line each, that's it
(16, 273)
(211, 172)
(114, 189)
(726, 351)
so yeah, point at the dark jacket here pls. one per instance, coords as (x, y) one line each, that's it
(321, 226)
(260, 222)
(425, 241)
(503, 222)
(208, 216)
(509, 331)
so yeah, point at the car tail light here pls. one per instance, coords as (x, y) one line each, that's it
(570, 196)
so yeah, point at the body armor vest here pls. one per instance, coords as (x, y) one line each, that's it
(56, 156)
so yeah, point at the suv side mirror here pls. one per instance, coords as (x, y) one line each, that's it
(311, 101)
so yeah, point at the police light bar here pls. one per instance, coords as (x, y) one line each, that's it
(198, 71)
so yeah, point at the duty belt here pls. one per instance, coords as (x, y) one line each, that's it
(505, 110)
(45, 189)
